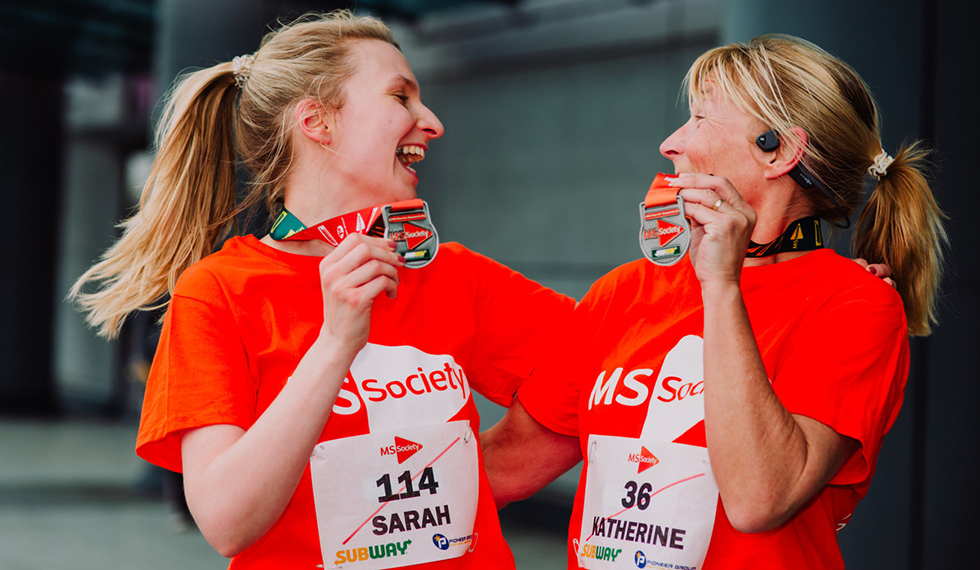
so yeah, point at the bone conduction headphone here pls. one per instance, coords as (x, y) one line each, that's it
(769, 142)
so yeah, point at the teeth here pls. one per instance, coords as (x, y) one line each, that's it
(410, 153)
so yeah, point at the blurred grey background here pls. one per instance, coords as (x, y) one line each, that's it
(554, 111)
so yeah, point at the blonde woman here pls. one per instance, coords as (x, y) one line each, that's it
(731, 407)
(313, 386)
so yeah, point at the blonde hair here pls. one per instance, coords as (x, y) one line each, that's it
(787, 82)
(190, 200)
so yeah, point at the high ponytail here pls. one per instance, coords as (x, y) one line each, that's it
(902, 225)
(189, 201)
(186, 205)
(787, 82)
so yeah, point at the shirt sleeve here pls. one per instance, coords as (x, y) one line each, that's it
(514, 317)
(199, 375)
(552, 394)
(850, 374)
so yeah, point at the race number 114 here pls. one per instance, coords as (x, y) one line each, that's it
(426, 482)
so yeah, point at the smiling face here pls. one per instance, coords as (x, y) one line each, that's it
(719, 139)
(382, 127)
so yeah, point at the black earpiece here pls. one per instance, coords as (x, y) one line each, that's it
(768, 141)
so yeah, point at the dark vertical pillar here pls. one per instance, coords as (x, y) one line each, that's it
(30, 151)
(918, 386)
(951, 496)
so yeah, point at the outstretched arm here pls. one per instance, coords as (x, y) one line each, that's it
(521, 456)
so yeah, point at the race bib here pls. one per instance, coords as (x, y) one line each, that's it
(648, 504)
(392, 499)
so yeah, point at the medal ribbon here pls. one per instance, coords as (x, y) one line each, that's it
(801, 235)
(406, 223)
(661, 193)
(333, 231)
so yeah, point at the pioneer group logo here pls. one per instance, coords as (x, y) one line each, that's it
(402, 450)
(640, 559)
(443, 543)
(645, 459)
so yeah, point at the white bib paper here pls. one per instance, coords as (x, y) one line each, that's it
(397, 498)
(648, 504)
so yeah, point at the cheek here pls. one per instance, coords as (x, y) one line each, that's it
(699, 154)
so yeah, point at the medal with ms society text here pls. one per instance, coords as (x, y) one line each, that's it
(665, 233)
(409, 225)
(406, 223)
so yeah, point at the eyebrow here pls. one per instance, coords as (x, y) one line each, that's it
(411, 84)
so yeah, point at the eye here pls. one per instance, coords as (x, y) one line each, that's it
(402, 97)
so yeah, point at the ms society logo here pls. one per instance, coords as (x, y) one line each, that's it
(403, 449)
(644, 458)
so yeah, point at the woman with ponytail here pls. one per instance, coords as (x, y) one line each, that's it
(314, 385)
(731, 406)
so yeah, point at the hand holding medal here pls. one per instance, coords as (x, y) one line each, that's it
(700, 212)
(722, 224)
(371, 244)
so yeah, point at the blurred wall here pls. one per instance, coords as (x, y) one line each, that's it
(553, 127)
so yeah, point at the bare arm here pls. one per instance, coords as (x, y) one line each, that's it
(767, 461)
(238, 483)
(521, 456)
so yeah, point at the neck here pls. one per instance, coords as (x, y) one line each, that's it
(769, 260)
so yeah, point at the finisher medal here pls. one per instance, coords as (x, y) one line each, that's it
(665, 233)
(406, 223)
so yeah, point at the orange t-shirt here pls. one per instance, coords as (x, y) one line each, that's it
(834, 344)
(241, 319)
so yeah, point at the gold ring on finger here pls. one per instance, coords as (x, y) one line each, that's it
(718, 204)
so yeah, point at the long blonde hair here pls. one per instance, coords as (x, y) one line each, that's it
(787, 82)
(190, 198)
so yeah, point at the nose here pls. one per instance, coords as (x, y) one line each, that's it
(430, 123)
(673, 146)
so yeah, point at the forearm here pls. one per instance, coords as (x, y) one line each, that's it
(239, 482)
(763, 462)
(521, 456)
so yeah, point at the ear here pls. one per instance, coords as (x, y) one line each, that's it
(313, 121)
(788, 155)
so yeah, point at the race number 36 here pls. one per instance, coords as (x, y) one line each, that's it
(639, 496)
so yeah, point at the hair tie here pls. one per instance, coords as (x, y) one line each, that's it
(880, 165)
(241, 67)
